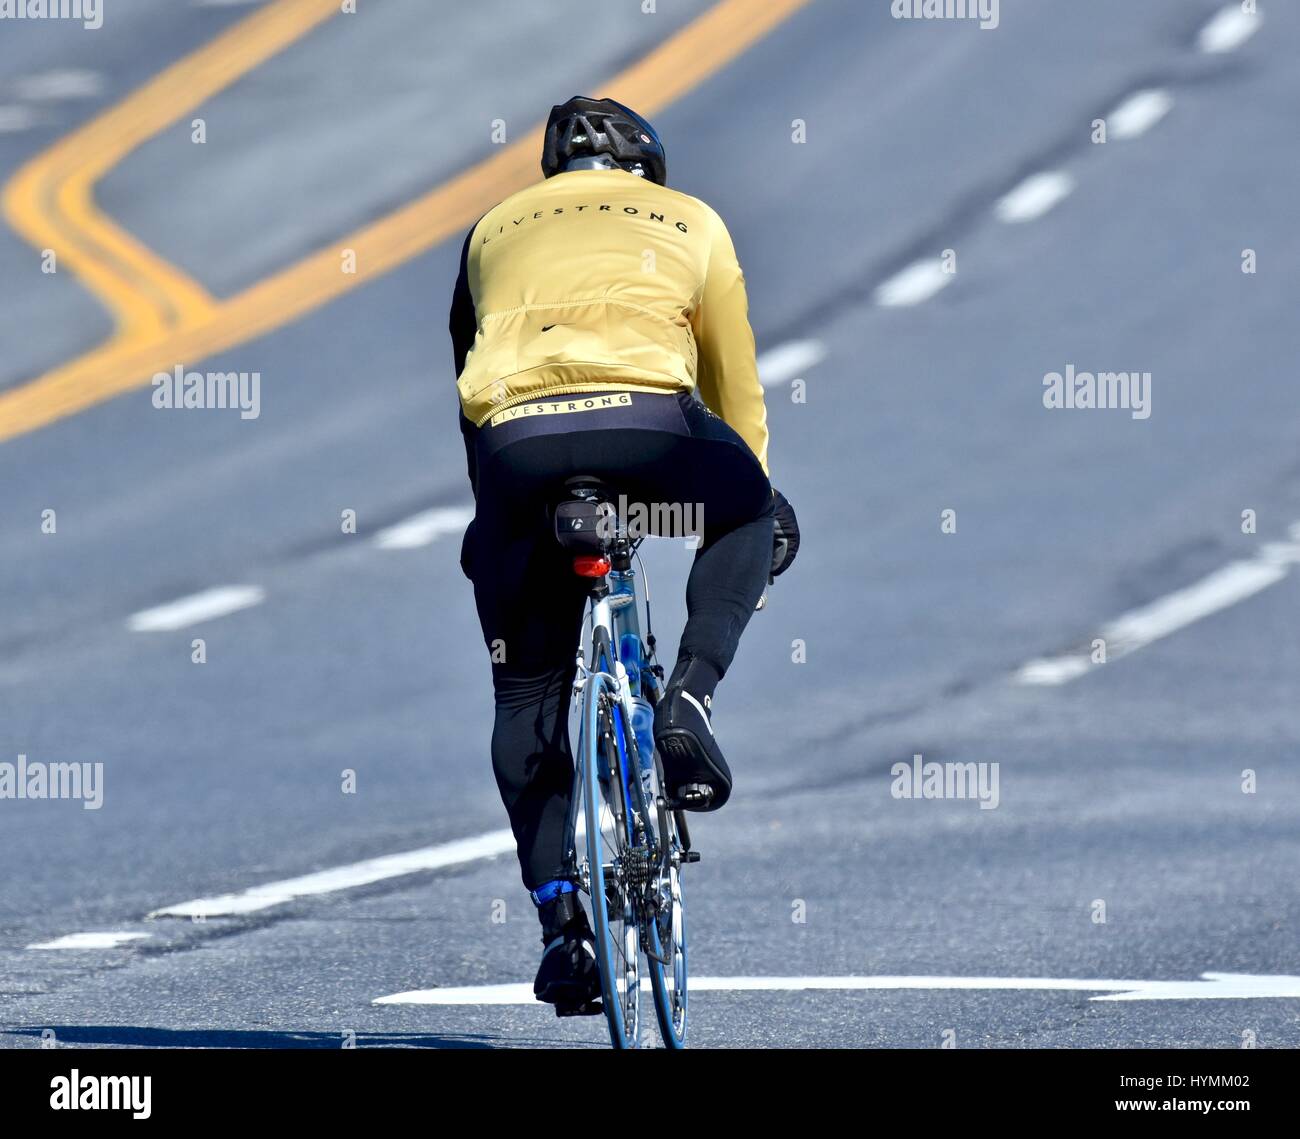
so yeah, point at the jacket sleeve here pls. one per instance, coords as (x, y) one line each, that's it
(727, 374)
(463, 325)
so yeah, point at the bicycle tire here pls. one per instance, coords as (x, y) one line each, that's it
(622, 1008)
(666, 935)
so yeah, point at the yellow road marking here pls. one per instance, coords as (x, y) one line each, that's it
(50, 200)
(163, 318)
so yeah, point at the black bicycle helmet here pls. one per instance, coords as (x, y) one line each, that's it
(594, 133)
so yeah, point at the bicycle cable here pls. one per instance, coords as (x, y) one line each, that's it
(645, 581)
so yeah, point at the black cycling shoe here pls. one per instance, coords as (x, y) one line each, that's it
(696, 775)
(568, 976)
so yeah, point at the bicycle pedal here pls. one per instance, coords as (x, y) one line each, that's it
(690, 856)
(693, 796)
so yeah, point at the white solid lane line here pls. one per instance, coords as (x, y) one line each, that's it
(89, 941)
(1229, 29)
(1034, 196)
(789, 361)
(1139, 113)
(217, 602)
(1224, 587)
(423, 528)
(910, 286)
(1229, 986)
(345, 877)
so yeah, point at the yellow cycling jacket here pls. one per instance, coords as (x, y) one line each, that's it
(597, 280)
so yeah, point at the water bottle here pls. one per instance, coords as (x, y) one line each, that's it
(629, 652)
(643, 721)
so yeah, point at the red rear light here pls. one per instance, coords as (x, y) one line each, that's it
(587, 566)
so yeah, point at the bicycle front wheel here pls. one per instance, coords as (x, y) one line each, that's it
(613, 913)
(666, 929)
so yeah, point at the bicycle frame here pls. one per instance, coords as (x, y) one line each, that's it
(607, 672)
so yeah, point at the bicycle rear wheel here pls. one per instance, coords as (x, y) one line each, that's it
(613, 912)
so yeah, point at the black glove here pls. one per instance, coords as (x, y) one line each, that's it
(785, 534)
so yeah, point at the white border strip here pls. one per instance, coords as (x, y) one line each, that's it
(90, 941)
(1231, 986)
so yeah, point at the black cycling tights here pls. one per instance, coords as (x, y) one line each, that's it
(657, 450)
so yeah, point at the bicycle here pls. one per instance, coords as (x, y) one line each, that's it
(636, 840)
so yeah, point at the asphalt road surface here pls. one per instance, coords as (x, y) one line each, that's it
(929, 226)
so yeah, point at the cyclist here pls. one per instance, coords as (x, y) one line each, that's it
(589, 311)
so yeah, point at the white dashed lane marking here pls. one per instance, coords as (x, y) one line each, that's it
(196, 608)
(910, 286)
(789, 361)
(1138, 113)
(1224, 587)
(58, 86)
(1231, 28)
(16, 118)
(418, 530)
(423, 528)
(345, 877)
(1034, 196)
